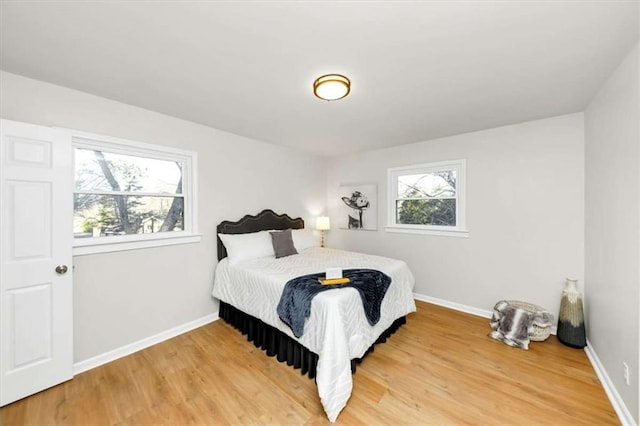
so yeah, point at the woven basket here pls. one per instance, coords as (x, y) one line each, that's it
(539, 334)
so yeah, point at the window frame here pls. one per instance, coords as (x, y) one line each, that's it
(393, 173)
(189, 160)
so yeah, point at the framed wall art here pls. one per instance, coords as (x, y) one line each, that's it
(359, 207)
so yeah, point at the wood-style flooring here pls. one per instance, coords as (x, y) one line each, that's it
(440, 368)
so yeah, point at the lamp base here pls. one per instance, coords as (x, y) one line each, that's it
(322, 239)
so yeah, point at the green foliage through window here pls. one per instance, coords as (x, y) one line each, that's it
(428, 195)
(436, 212)
(427, 199)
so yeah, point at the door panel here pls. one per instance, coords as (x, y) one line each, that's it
(31, 340)
(28, 152)
(29, 220)
(36, 303)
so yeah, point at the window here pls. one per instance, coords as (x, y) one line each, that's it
(131, 195)
(428, 198)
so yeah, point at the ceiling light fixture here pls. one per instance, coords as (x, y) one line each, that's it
(331, 87)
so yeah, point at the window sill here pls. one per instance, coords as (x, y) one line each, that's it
(111, 244)
(457, 233)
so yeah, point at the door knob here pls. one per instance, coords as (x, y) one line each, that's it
(61, 269)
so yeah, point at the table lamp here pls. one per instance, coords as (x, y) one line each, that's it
(322, 224)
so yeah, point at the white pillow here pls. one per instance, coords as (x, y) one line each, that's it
(247, 246)
(305, 238)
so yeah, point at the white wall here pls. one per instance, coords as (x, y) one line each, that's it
(612, 219)
(123, 297)
(524, 213)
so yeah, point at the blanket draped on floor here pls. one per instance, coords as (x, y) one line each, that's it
(295, 303)
(514, 326)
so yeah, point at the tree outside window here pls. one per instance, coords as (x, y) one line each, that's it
(121, 194)
(427, 197)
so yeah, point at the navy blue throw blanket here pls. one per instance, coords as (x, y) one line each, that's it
(295, 303)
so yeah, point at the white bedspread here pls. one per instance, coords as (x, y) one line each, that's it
(337, 329)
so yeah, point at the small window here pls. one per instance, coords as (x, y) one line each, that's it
(131, 195)
(428, 198)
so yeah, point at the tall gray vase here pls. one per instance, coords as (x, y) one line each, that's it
(571, 330)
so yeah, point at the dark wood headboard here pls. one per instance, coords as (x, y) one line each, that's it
(263, 221)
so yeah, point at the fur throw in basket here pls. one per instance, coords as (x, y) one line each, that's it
(516, 323)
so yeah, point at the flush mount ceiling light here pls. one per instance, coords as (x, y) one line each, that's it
(331, 87)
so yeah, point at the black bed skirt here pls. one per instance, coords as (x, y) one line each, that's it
(275, 343)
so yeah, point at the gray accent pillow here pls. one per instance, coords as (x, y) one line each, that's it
(283, 243)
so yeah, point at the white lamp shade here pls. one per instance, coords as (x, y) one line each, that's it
(323, 223)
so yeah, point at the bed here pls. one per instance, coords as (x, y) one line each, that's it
(336, 334)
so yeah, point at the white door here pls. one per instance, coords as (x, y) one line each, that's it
(36, 302)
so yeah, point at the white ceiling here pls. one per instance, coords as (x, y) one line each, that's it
(419, 70)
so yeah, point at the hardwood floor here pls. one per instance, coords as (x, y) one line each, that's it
(440, 368)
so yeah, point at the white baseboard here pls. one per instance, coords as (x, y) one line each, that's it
(624, 415)
(462, 308)
(96, 361)
(452, 305)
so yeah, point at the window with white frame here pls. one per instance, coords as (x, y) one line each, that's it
(131, 195)
(428, 198)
